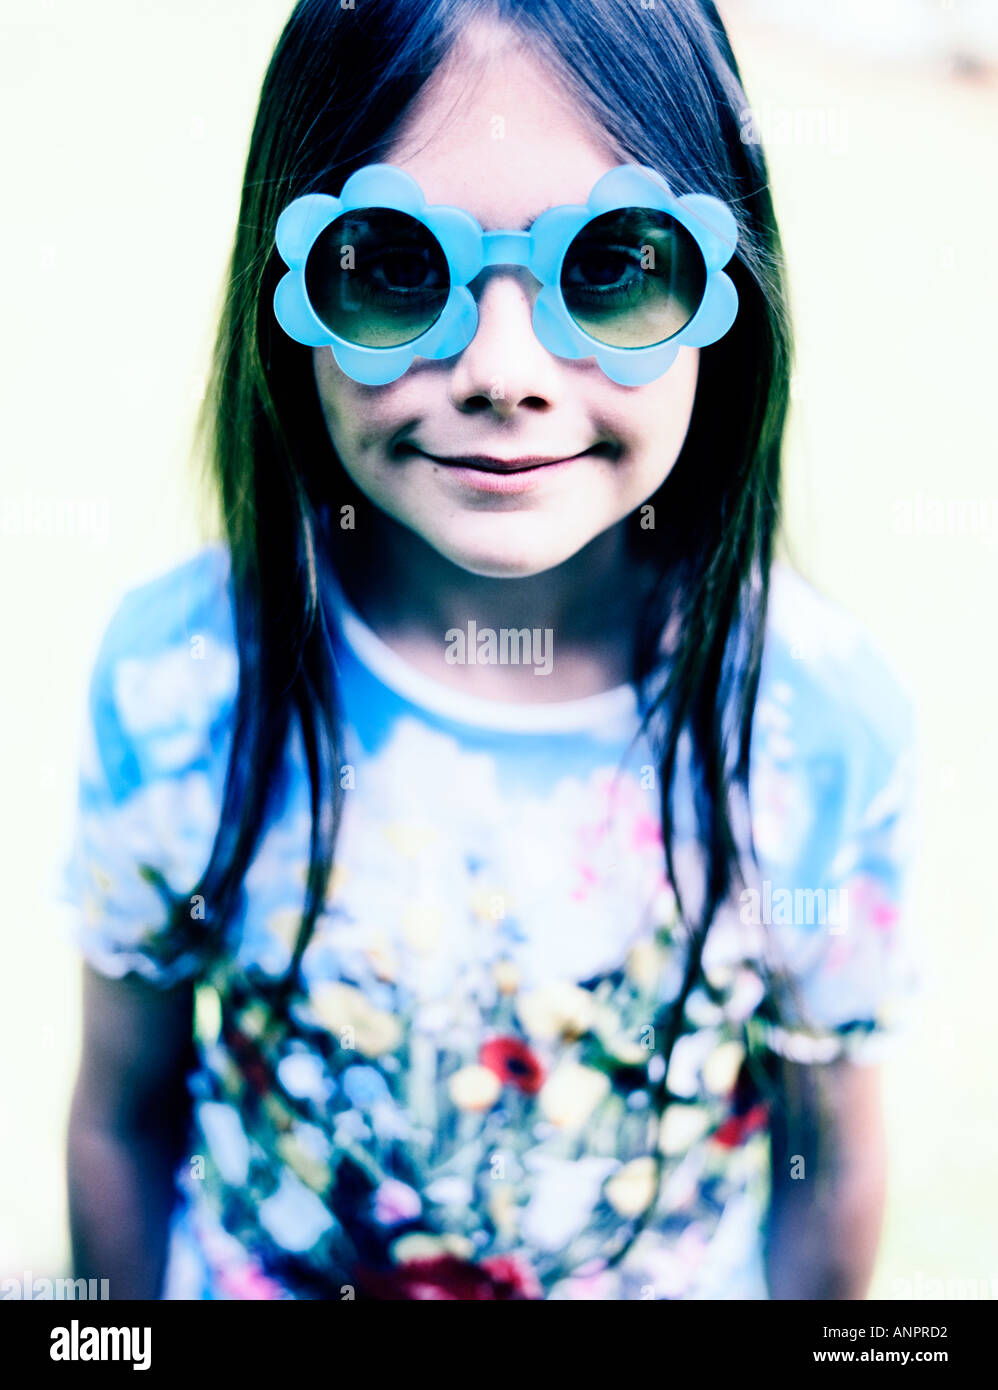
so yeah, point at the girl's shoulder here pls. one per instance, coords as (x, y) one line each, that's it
(825, 674)
(190, 599)
(164, 679)
(834, 755)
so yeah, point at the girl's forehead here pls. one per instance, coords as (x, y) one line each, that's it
(506, 196)
(504, 146)
(506, 183)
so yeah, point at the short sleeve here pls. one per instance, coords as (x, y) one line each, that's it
(152, 754)
(851, 975)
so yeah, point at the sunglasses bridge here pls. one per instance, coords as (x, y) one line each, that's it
(505, 248)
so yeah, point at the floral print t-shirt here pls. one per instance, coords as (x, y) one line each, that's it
(458, 1105)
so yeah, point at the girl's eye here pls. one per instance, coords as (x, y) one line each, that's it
(403, 270)
(603, 268)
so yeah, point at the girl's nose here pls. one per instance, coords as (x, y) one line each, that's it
(505, 365)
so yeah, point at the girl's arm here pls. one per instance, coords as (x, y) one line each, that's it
(127, 1127)
(824, 1226)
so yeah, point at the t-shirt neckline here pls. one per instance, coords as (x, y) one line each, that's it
(614, 708)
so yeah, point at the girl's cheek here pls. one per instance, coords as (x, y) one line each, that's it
(339, 397)
(357, 417)
(671, 409)
(661, 408)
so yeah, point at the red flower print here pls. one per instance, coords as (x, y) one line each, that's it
(447, 1277)
(737, 1128)
(508, 1271)
(513, 1063)
(248, 1058)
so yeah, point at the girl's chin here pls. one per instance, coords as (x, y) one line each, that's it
(494, 562)
(507, 542)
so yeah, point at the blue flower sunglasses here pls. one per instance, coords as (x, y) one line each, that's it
(381, 277)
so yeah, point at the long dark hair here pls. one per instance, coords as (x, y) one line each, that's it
(663, 83)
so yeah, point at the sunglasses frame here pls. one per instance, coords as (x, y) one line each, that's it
(542, 249)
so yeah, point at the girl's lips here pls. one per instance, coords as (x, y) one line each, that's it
(498, 465)
(486, 473)
(512, 477)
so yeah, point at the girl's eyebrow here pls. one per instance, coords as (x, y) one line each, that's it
(524, 226)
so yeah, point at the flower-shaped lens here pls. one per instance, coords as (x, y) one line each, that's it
(670, 288)
(377, 278)
(387, 279)
(633, 278)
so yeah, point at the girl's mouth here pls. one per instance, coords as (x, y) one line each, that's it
(489, 464)
(487, 473)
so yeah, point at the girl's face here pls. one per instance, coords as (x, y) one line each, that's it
(505, 148)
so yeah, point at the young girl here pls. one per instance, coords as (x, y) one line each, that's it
(439, 942)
